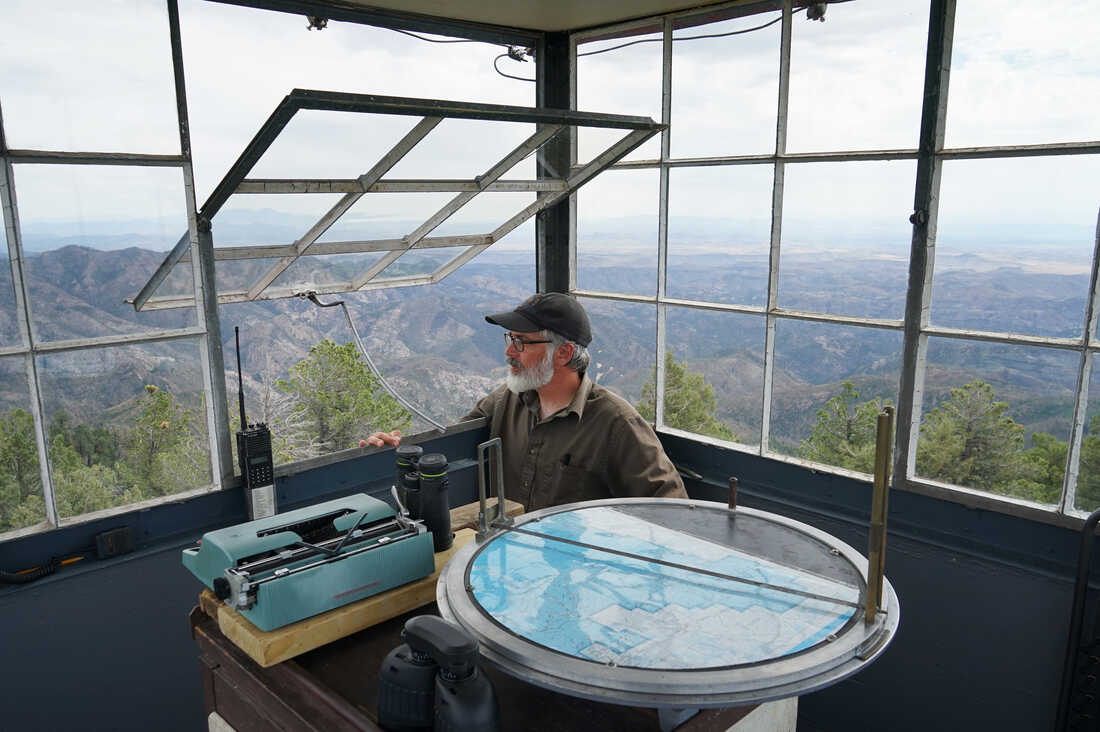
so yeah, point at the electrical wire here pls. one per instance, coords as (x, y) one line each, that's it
(312, 297)
(683, 38)
(437, 40)
(636, 42)
(509, 76)
(25, 576)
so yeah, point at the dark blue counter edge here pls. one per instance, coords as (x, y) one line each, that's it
(804, 494)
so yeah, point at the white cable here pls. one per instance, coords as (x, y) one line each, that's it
(370, 363)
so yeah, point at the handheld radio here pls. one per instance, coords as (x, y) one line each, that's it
(254, 456)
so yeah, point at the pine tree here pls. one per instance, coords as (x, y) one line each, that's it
(163, 452)
(690, 403)
(970, 441)
(844, 434)
(336, 400)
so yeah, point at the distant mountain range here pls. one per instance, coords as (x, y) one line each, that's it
(433, 344)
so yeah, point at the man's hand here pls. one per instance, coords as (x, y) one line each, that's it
(378, 439)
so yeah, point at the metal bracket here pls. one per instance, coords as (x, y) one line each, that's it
(485, 518)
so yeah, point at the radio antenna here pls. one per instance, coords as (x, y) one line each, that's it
(240, 377)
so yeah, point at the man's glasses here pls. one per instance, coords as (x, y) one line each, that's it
(518, 343)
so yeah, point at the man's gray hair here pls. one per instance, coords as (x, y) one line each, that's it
(580, 359)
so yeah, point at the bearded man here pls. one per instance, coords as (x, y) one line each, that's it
(564, 437)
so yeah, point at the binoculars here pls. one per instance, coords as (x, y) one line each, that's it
(432, 682)
(422, 489)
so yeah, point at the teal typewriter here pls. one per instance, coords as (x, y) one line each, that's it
(281, 569)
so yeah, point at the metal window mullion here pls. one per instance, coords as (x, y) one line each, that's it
(776, 229)
(918, 299)
(110, 341)
(211, 360)
(661, 338)
(1084, 377)
(299, 186)
(574, 141)
(26, 327)
(62, 157)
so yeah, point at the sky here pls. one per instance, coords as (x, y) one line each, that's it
(97, 76)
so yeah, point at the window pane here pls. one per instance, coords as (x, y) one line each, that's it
(21, 501)
(303, 273)
(238, 275)
(714, 373)
(432, 344)
(624, 341)
(124, 424)
(94, 235)
(719, 233)
(263, 219)
(1023, 73)
(829, 383)
(484, 213)
(416, 262)
(617, 232)
(1014, 244)
(996, 417)
(1088, 471)
(323, 144)
(623, 81)
(857, 78)
(725, 90)
(467, 148)
(846, 237)
(9, 325)
(88, 76)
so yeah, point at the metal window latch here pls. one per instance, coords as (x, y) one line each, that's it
(918, 217)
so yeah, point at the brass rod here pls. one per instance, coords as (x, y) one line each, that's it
(876, 533)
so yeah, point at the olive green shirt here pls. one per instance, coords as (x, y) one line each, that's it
(596, 447)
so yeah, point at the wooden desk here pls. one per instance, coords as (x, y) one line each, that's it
(335, 689)
(293, 680)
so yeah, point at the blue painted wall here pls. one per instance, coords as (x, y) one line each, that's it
(985, 603)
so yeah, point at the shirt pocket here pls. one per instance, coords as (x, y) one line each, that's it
(575, 483)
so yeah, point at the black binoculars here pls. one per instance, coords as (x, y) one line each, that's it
(432, 682)
(422, 488)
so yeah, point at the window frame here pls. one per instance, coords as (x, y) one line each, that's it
(915, 324)
(205, 332)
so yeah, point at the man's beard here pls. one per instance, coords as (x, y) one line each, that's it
(531, 377)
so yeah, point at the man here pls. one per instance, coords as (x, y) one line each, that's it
(564, 437)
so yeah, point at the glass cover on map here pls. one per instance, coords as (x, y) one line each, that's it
(734, 597)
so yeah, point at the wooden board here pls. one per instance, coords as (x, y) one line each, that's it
(274, 646)
(465, 517)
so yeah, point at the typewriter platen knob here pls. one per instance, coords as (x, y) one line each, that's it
(221, 588)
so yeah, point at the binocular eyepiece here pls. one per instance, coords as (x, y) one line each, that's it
(422, 485)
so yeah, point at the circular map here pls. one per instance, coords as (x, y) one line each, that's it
(666, 603)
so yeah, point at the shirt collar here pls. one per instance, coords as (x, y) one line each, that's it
(575, 406)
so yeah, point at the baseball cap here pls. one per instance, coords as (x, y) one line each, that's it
(553, 311)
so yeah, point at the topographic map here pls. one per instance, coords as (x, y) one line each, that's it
(607, 608)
